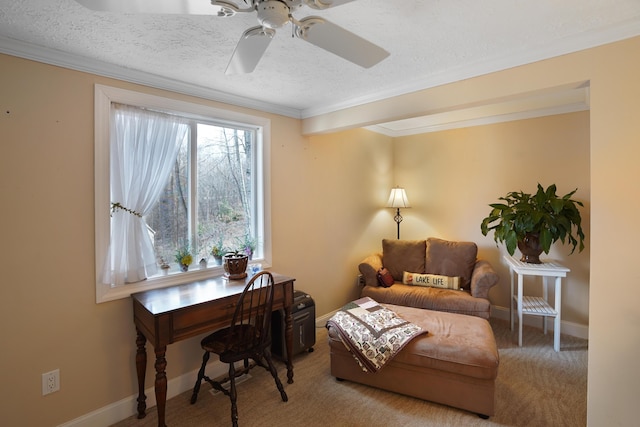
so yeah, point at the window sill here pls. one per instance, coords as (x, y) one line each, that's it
(105, 292)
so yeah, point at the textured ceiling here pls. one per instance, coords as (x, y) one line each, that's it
(431, 42)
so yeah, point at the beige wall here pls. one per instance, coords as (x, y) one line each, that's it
(326, 194)
(452, 176)
(323, 210)
(326, 212)
(614, 313)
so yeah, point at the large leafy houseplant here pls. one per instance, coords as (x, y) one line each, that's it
(543, 216)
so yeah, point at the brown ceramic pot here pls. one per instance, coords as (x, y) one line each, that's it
(530, 248)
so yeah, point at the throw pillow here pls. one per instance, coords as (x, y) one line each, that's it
(385, 279)
(403, 255)
(431, 280)
(455, 259)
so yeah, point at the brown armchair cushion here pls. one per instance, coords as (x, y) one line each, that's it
(451, 259)
(399, 256)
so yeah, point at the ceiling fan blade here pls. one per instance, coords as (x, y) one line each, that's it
(339, 41)
(182, 7)
(325, 4)
(249, 50)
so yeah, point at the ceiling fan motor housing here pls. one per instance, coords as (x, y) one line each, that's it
(273, 13)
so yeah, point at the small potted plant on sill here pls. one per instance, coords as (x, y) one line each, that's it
(184, 258)
(218, 252)
(534, 222)
(248, 246)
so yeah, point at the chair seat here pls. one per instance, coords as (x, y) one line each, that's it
(233, 345)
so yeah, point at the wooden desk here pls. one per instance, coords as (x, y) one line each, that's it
(164, 316)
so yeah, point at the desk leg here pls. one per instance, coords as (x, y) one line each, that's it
(161, 384)
(288, 331)
(141, 368)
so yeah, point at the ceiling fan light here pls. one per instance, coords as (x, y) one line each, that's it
(273, 14)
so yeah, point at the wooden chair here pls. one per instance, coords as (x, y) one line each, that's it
(248, 337)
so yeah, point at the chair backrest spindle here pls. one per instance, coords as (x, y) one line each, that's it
(252, 317)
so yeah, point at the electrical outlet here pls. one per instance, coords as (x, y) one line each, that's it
(50, 382)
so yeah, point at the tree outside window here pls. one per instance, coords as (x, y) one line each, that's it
(209, 199)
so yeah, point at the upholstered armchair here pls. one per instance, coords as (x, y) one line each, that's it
(426, 259)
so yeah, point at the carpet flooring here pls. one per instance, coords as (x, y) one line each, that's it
(535, 387)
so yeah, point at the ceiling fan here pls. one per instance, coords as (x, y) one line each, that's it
(271, 14)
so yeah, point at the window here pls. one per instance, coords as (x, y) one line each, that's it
(208, 201)
(203, 184)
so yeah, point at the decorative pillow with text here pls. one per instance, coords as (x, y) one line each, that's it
(432, 280)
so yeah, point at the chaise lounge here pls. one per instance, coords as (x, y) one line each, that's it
(456, 362)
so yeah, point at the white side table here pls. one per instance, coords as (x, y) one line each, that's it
(537, 306)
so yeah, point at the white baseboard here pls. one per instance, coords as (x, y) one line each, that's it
(322, 320)
(570, 328)
(127, 407)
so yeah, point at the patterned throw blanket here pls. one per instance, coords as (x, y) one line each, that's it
(372, 333)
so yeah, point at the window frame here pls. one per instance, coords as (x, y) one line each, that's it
(104, 97)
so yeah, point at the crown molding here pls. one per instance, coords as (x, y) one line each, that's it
(480, 121)
(552, 101)
(532, 54)
(582, 41)
(79, 63)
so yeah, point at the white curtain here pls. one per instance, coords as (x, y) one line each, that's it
(144, 146)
